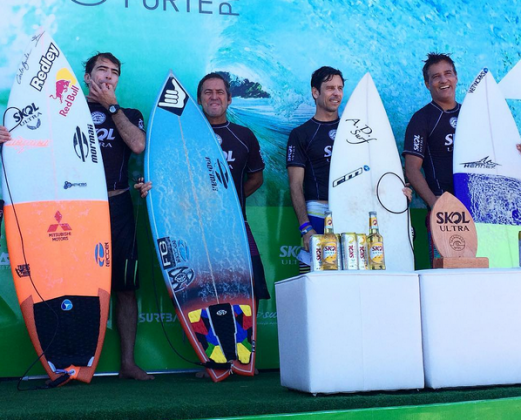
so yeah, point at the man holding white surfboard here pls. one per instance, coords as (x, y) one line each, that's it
(308, 154)
(429, 136)
(120, 132)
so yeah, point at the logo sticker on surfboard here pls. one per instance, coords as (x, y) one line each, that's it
(350, 176)
(173, 98)
(484, 163)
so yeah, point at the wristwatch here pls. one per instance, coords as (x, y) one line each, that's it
(113, 109)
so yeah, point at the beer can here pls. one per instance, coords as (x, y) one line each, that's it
(315, 249)
(349, 251)
(361, 238)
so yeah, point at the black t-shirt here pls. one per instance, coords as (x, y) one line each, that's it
(114, 150)
(310, 146)
(430, 136)
(242, 152)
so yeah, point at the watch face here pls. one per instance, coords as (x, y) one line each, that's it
(112, 109)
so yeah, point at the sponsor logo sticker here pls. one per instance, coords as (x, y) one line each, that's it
(102, 254)
(23, 270)
(173, 98)
(350, 175)
(484, 163)
(66, 305)
(59, 231)
(46, 62)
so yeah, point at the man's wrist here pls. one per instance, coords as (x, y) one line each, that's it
(113, 109)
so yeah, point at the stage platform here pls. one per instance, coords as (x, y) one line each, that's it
(178, 396)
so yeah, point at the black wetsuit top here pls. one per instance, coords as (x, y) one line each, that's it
(242, 152)
(430, 136)
(310, 146)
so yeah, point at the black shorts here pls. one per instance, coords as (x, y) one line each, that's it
(260, 288)
(124, 243)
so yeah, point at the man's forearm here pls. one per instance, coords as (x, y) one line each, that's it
(131, 135)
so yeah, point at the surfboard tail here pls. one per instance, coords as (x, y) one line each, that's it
(226, 336)
(68, 332)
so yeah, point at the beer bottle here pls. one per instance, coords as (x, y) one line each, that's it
(375, 244)
(329, 245)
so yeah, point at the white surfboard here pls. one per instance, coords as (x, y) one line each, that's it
(487, 170)
(366, 174)
(510, 85)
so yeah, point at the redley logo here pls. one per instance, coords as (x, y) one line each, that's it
(59, 231)
(66, 83)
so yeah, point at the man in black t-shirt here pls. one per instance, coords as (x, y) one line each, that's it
(242, 151)
(429, 136)
(308, 154)
(120, 132)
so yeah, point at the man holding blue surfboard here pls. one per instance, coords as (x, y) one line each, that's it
(120, 132)
(308, 154)
(430, 135)
(242, 151)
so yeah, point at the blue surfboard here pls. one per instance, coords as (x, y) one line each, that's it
(199, 234)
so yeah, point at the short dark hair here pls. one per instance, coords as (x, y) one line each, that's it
(214, 75)
(324, 74)
(435, 58)
(89, 64)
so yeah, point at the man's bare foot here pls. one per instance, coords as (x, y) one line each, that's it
(134, 372)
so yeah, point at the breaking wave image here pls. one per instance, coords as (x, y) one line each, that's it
(492, 199)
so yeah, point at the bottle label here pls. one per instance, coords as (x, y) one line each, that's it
(329, 253)
(376, 252)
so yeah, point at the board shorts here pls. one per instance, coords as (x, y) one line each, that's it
(260, 288)
(124, 243)
(316, 214)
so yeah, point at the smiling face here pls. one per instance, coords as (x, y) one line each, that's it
(104, 72)
(215, 100)
(328, 99)
(442, 83)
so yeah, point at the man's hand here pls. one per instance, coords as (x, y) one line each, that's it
(5, 135)
(103, 94)
(307, 237)
(143, 187)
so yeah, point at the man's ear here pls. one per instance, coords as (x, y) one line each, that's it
(315, 93)
(86, 78)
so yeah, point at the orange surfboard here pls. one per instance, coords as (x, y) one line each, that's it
(56, 214)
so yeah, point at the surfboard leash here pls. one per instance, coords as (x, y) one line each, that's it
(407, 209)
(58, 380)
(210, 364)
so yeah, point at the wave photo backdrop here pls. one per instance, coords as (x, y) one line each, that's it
(269, 49)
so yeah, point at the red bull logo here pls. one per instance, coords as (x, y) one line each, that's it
(62, 86)
(66, 83)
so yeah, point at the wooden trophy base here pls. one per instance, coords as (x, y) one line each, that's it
(460, 262)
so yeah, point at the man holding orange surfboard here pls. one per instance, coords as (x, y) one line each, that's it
(120, 132)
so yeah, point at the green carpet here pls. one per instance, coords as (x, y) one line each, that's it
(182, 396)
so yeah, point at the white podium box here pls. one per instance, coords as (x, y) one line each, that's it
(350, 331)
(471, 321)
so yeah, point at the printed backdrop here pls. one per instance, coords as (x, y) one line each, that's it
(269, 48)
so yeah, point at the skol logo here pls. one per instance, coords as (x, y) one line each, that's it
(453, 222)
